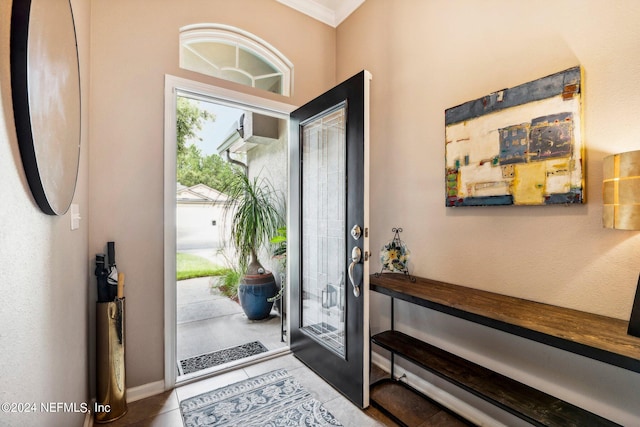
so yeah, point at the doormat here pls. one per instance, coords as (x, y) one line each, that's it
(219, 357)
(272, 399)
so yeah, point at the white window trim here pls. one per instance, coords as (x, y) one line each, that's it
(240, 38)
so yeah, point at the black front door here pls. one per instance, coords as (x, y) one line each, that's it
(328, 238)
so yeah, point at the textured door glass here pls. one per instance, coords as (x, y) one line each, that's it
(323, 229)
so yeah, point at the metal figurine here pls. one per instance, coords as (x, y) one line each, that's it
(394, 256)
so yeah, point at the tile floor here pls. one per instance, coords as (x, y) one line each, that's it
(163, 410)
(208, 322)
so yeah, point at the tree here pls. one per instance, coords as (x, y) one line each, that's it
(192, 166)
(190, 119)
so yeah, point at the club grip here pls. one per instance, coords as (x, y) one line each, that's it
(111, 252)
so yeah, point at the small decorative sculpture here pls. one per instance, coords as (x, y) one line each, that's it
(394, 255)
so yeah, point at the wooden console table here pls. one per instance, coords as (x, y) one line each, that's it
(590, 335)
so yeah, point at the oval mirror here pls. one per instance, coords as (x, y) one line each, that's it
(45, 82)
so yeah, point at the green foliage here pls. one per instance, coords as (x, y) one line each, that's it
(192, 167)
(229, 282)
(190, 120)
(280, 253)
(280, 249)
(255, 216)
(191, 266)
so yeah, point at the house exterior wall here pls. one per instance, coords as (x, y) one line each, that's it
(44, 269)
(427, 56)
(200, 226)
(270, 162)
(134, 43)
(200, 214)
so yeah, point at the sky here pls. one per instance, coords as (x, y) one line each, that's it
(213, 133)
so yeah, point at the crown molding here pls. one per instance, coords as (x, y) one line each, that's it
(323, 13)
(346, 8)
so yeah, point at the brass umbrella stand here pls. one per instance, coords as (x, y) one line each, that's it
(111, 394)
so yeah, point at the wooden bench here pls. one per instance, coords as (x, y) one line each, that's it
(597, 337)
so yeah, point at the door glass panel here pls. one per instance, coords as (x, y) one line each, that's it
(323, 228)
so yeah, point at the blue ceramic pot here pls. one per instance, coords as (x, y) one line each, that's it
(254, 291)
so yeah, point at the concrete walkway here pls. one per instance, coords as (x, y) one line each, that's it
(209, 321)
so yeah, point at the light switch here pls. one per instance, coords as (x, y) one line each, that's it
(75, 216)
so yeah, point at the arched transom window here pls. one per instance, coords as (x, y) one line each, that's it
(232, 54)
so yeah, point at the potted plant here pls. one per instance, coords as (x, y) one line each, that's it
(280, 253)
(255, 217)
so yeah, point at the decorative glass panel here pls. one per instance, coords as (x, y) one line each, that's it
(272, 84)
(235, 55)
(236, 76)
(253, 64)
(323, 229)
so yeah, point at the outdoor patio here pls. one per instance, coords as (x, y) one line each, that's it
(208, 321)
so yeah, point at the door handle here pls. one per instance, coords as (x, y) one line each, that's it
(356, 256)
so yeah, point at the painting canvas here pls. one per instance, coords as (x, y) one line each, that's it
(517, 146)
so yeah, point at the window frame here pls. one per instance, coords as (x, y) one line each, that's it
(240, 39)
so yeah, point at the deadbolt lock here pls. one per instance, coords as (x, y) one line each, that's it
(356, 232)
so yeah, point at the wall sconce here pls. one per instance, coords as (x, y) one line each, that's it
(621, 199)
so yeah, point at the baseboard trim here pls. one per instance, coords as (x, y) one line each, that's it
(133, 394)
(145, 390)
(441, 396)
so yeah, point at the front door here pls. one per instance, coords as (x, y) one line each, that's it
(328, 238)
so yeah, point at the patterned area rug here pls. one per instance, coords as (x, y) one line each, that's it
(270, 400)
(219, 357)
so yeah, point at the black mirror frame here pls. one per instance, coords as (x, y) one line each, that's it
(20, 22)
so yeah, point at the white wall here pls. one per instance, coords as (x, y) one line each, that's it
(44, 269)
(195, 228)
(269, 161)
(427, 56)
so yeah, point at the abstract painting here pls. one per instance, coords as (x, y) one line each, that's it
(518, 146)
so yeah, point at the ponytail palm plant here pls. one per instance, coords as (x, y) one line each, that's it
(255, 217)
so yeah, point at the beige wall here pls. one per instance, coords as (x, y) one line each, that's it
(427, 56)
(44, 268)
(134, 44)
